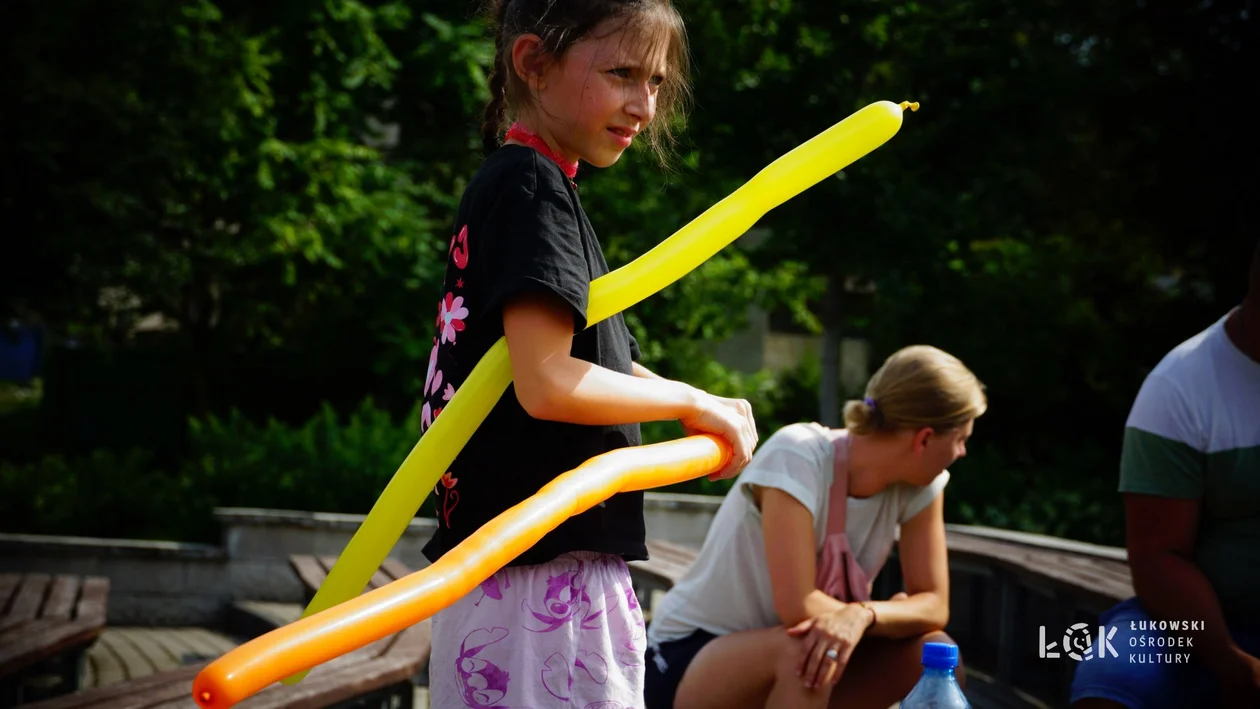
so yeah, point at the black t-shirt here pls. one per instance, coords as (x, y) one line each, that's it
(521, 228)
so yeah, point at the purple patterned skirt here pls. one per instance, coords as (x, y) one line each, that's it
(568, 633)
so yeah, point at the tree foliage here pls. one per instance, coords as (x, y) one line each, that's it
(274, 186)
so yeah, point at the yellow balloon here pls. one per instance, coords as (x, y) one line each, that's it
(806, 165)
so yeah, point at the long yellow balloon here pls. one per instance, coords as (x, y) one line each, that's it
(825, 154)
(249, 668)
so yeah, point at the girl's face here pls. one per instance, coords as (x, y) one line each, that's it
(593, 101)
(936, 451)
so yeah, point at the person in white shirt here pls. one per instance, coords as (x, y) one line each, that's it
(776, 610)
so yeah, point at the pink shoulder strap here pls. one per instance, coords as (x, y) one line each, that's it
(839, 495)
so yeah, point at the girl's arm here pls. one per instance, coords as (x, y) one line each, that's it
(643, 372)
(789, 532)
(788, 527)
(553, 385)
(925, 568)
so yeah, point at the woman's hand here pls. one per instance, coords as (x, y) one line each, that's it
(828, 642)
(730, 419)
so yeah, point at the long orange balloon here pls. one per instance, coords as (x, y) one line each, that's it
(318, 638)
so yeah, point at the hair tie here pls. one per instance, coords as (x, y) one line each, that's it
(869, 402)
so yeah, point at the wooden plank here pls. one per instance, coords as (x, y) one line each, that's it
(380, 578)
(61, 598)
(118, 692)
(327, 562)
(396, 569)
(168, 690)
(106, 666)
(381, 664)
(309, 571)
(87, 671)
(40, 640)
(324, 690)
(143, 640)
(1041, 541)
(27, 602)
(1100, 579)
(211, 641)
(92, 604)
(134, 662)
(8, 584)
(405, 657)
(179, 643)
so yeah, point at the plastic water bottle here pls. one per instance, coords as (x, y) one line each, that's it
(937, 688)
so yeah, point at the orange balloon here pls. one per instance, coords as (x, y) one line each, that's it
(316, 639)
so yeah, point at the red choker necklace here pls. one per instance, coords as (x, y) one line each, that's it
(521, 134)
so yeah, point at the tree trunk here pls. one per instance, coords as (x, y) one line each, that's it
(829, 413)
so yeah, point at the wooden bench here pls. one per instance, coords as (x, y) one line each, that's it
(312, 570)
(46, 624)
(1005, 586)
(380, 673)
(667, 563)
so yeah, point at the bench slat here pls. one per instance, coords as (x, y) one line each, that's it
(60, 604)
(1099, 578)
(8, 584)
(41, 639)
(94, 601)
(405, 657)
(395, 568)
(309, 571)
(26, 604)
(102, 696)
(135, 663)
(380, 578)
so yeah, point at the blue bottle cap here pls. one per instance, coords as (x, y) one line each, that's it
(941, 656)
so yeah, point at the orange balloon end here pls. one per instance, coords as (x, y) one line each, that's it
(333, 632)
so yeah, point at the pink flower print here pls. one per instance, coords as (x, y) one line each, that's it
(459, 248)
(491, 588)
(451, 499)
(450, 391)
(565, 600)
(557, 677)
(481, 683)
(634, 639)
(451, 314)
(428, 377)
(593, 664)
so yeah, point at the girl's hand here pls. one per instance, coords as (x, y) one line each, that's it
(732, 420)
(839, 631)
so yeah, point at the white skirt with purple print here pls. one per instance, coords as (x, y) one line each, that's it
(568, 633)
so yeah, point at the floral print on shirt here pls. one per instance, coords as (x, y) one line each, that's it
(452, 316)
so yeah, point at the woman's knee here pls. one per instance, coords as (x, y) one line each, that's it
(787, 655)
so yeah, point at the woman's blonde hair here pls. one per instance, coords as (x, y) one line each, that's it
(917, 387)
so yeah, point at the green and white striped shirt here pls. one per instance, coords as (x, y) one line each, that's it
(1194, 433)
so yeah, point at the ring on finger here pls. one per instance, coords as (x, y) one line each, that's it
(832, 654)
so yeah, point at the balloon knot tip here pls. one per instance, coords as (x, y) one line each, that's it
(912, 105)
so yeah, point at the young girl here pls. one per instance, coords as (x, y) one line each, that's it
(776, 611)
(560, 626)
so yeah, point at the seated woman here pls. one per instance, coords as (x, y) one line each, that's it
(775, 612)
